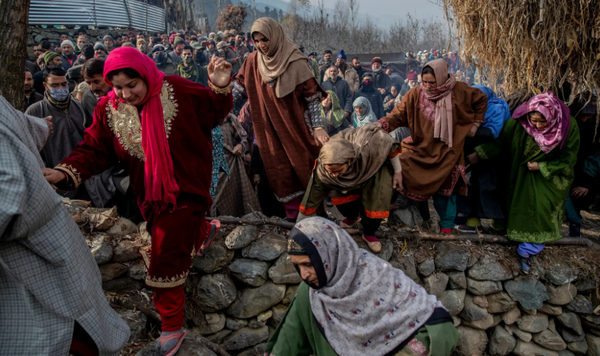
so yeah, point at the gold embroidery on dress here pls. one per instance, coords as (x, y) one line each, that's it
(124, 121)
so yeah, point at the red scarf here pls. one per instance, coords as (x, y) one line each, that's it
(159, 180)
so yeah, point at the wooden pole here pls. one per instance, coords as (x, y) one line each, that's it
(410, 235)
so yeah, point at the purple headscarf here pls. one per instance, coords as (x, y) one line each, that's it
(556, 114)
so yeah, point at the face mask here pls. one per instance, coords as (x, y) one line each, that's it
(199, 57)
(232, 43)
(368, 82)
(188, 60)
(160, 59)
(60, 94)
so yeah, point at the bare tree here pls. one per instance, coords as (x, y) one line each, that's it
(353, 6)
(14, 18)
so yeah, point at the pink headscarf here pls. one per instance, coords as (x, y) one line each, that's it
(556, 114)
(440, 96)
(159, 181)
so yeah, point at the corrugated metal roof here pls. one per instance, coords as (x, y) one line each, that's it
(99, 13)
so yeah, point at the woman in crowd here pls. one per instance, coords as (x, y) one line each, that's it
(158, 129)
(541, 147)
(389, 102)
(361, 168)
(486, 188)
(363, 114)
(368, 91)
(281, 89)
(235, 196)
(335, 118)
(352, 303)
(440, 113)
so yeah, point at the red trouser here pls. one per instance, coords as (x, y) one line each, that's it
(176, 236)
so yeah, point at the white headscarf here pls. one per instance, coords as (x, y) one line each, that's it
(365, 307)
(368, 115)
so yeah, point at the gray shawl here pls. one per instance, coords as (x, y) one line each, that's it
(367, 307)
(68, 132)
(48, 277)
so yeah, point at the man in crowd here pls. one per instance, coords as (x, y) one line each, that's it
(165, 39)
(124, 38)
(340, 87)
(357, 67)
(410, 83)
(68, 55)
(49, 278)
(67, 118)
(346, 72)
(64, 36)
(240, 47)
(191, 70)
(109, 43)
(381, 81)
(230, 56)
(394, 76)
(31, 96)
(57, 48)
(325, 64)
(118, 41)
(200, 55)
(92, 74)
(81, 41)
(175, 55)
(45, 46)
(100, 50)
(163, 62)
(131, 37)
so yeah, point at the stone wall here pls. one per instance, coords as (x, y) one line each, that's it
(238, 293)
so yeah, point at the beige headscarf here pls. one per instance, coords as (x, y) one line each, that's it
(441, 97)
(367, 148)
(283, 63)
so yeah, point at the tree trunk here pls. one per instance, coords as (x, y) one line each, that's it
(14, 17)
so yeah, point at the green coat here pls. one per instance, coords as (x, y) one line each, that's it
(298, 334)
(536, 200)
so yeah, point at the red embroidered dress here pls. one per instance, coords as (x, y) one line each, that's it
(190, 112)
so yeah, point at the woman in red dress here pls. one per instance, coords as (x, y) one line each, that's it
(159, 129)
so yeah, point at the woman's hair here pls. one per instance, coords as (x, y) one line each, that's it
(129, 72)
(536, 113)
(428, 70)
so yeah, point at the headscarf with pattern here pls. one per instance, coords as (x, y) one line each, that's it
(556, 114)
(440, 98)
(364, 305)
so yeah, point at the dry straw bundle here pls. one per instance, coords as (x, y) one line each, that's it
(531, 44)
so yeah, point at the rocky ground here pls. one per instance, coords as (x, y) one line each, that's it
(239, 292)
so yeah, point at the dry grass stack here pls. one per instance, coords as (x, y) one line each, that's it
(233, 17)
(531, 43)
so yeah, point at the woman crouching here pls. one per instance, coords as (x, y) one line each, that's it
(354, 303)
(361, 168)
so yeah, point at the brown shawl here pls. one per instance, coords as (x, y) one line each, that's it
(283, 63)
(367, 148)
(441, 96)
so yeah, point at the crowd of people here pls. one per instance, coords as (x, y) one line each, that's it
(173, 128)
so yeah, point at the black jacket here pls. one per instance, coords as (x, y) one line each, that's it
(374, 97)
(33, 98)
(382, 81)
(342, 90)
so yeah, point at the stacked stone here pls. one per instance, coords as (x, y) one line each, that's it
(240, 290)
(499, 312)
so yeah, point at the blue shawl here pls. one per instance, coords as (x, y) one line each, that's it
(497, 111)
